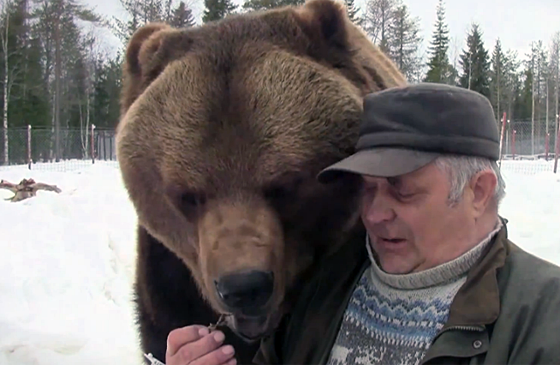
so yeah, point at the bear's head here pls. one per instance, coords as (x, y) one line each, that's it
(223, 130)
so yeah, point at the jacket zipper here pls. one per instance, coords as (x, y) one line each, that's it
(463, 328)
(460, 328)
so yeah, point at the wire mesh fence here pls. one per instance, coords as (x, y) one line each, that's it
(527, 147)
(527, 140)
(38, 148)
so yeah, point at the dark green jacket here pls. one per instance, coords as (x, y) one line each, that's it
(507, 312)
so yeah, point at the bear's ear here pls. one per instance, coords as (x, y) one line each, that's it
(143, 44)
(149, 50)
(325, 22)
(334, 39)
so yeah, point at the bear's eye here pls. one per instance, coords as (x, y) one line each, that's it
(276, 193)
(192, 200)
(283, 190)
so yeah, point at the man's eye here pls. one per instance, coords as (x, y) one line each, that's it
(369, 189)
(405, 194)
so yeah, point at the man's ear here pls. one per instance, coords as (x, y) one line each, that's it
(482, 185)
(150, 49)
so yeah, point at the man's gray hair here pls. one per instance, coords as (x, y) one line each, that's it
(461, 169)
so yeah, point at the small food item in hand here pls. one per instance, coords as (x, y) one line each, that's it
(221, 322)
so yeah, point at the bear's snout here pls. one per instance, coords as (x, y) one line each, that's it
(246, 292)
(241, 255)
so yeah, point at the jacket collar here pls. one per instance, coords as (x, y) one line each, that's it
(477, 303)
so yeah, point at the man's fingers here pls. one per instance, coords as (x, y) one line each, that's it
(190, 353)
(232, 362)
(223, 355)
(181, 336)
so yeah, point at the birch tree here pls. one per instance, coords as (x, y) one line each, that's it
(554, 72)
(379, 19)
(353, 12)
(12, 62)
(5, 8)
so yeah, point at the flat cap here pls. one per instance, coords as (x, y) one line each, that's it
(404, 128)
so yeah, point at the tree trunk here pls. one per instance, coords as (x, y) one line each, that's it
(533, 104)
(57, 76)
(498, 70)
(6, 74)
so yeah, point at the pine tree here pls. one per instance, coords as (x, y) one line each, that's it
(497, 78)
(504, 81)
(182, 16)
(404, 42)
(252, 5)
(513, 82)
(541, 94)
(217, 9)
(439, 69)
(106, 86)
(475, 63)
(523, 105)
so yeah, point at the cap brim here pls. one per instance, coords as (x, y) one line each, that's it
(381, 162)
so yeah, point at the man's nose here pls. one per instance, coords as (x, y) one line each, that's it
(379, 209)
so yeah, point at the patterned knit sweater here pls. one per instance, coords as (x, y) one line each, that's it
(392, 319)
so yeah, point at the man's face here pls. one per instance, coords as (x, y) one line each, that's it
(410, 222)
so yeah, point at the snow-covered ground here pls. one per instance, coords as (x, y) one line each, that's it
(66, 265)
(67, 260)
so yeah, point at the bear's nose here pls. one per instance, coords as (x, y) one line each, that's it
(246, 290)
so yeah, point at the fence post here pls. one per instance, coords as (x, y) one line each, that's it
(502, 136)
(546, 146)
(103, 139)
(29, 146)
(557, 150)
(91, 144)
(513, 143)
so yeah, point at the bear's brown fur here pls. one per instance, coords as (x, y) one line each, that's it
(223, 129)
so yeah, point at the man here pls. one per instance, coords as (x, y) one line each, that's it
(436, 280)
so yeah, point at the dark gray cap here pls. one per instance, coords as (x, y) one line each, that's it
(405, 128)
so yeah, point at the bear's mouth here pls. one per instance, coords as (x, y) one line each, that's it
(248, 298)
(252, 328)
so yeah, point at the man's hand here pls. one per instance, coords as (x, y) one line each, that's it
(195, 345)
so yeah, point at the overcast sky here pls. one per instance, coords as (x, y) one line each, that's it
(516, 22)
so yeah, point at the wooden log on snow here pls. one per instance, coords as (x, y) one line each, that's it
(26, 188)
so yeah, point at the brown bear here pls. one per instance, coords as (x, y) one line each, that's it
(223, 129)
